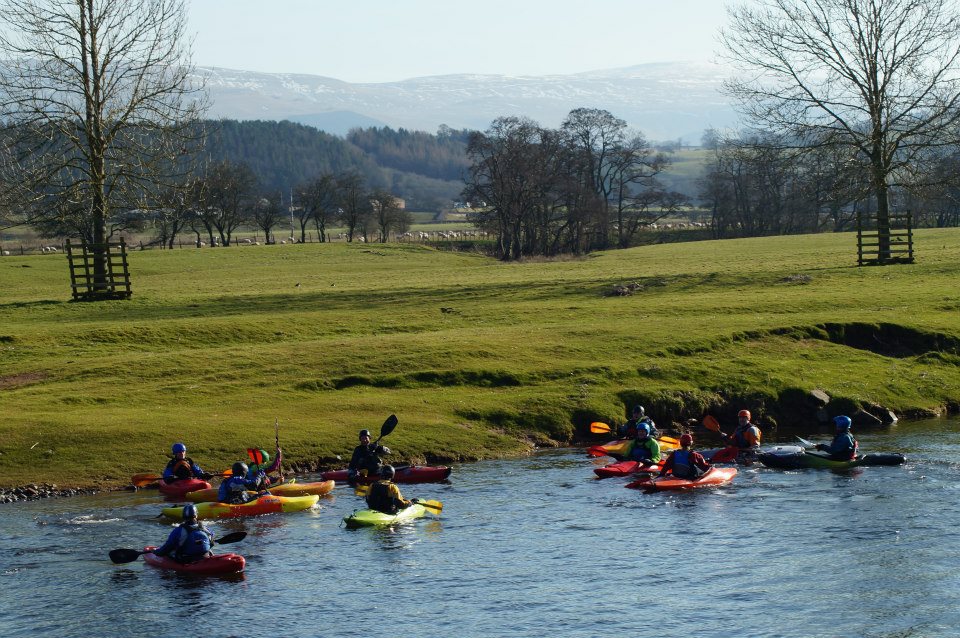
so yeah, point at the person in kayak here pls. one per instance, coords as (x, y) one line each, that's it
(188, 542)
(844, 446)
(747, 435)
(685, 462)
(234, 489)
(646, 450)
(261, 465)
(384, 495)
(182, 467)
(366, 458)
(629, 429)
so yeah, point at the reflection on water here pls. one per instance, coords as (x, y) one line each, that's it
(526, 547)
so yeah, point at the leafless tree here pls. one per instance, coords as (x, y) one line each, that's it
(317, 200)
(96, 101)
(879, 77)
(354, 204)
(228, 199)
(269, 211)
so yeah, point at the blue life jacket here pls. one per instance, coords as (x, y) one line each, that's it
(234, 490)
(194, 543)
(683, 463)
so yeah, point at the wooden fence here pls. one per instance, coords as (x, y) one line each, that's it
(115, 283)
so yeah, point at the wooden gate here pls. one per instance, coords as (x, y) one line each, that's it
(899, 234)
(116, 283)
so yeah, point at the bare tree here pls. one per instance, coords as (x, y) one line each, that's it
(317, 200)
(268, 211)
(354, 204)
(387, 214)
(96, 99)
(879, 77)
(228, 199)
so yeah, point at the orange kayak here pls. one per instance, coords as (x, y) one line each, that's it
(284, 489)
(713, 477)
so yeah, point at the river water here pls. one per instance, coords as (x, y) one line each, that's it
(527, 547)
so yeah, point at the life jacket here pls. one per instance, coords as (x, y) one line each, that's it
(194, 543)
(740, 437)
(683, 466)
(181, 469)
(233, 491)
(381, 499)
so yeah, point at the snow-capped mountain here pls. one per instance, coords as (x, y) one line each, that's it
(664, 101)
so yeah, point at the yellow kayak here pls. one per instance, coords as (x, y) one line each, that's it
(284, 489)
(264, 505)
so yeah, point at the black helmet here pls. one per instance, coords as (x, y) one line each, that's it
(189, 511)
(364, 433)
(638, 408)
(240, 468)
(387, 471)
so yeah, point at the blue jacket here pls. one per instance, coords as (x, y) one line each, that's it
(234, 489)
(842, 448)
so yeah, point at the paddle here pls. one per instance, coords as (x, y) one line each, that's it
(276, 437)
(810, 445)
(140, 480)
(129, 555)
(599, 427)
(387, 427)
(713, 425)
(433, 505)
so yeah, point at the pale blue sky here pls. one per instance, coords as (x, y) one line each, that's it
(387, 40)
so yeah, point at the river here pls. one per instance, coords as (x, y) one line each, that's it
(526, 547)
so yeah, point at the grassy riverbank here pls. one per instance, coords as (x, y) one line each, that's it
(471, 354)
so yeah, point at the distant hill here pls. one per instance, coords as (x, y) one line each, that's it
(666, 101)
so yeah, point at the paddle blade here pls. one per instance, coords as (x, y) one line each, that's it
(141, 480)
(433, 505)
(124, 555)
(598, 427)
(711, 423)
(256, 456)
(810, 445)
(234, 537)
(641, 483)
(669, 439)
(388, 425)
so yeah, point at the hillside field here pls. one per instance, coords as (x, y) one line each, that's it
(476, 357)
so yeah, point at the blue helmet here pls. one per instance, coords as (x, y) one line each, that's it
(643, 427)
(179, 447)
(189, 511)
(842, 422)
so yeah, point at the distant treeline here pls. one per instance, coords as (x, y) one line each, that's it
(422, 168)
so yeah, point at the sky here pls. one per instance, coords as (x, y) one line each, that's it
(391, 40)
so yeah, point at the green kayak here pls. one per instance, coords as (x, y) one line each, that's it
(372, 518)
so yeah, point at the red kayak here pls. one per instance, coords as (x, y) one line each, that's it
(713, 477)
(626, 468)
(181, 487)
(217, 564)
(404, 474)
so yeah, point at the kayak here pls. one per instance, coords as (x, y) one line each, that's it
(181, 487)
(263, 505)
(626, 468)
(713, 477)
(795, 457)
(404, 474)
(373, 518)
(285, 489)
(748, 456)
(621, 448)
(217, 564)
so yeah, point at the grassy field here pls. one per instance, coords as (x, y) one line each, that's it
(477, 358)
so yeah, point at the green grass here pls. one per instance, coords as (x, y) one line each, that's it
(477, 358)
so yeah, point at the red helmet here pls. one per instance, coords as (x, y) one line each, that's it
(745, 413)
(686, 440)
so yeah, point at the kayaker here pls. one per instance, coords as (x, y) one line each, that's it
(646, 450)
(366, 458)
(629, 429)
(182, 467)
(685, 462)
(844, 446)
(188, 542)
(384, 495)
(261, 464)
(234, 489)
(747, 435)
